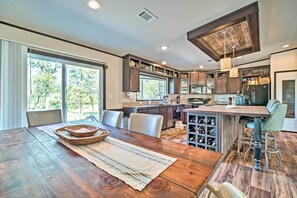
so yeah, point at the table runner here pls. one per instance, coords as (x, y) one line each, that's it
(134, 165)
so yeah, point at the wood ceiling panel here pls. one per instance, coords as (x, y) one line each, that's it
(242, 30)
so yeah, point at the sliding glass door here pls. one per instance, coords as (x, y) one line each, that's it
(82, 92)
(74, 87)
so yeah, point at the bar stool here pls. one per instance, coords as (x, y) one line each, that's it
(244, 139)
(271, 126)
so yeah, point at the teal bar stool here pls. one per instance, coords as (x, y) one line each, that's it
(271, 126)
(244, 139)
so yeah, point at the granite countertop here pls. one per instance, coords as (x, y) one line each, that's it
(252, 111)
(153, 106)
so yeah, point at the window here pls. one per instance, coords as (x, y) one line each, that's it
(74, 87)
(152, 88)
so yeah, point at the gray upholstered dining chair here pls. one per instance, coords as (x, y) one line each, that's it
(271, 126)
(225, 190)
(146, 123)
(38, 118)
(112, 118)
(243, 139)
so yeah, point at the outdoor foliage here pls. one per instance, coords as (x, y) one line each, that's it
(151, 87)
(45, 88)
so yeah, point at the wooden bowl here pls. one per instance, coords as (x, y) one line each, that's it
(82, 130)
(77, 141)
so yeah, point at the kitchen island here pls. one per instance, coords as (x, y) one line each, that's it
(216, 127)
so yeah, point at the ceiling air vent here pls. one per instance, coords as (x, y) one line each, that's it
(147, 16)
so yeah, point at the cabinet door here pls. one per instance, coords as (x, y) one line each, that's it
(153, 111)
(142, 111)
(234, 85)
(194, 78)
(185, 113)
(174, 86)
(169, 117)
(134, 79)
(163, 112)
(201, 78)
(221, 85)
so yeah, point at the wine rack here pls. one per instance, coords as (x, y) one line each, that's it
(203, 131)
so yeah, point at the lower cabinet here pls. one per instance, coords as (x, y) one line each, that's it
(165, 111)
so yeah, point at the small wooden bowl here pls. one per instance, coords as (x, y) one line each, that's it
(82, 130)
(77, 141)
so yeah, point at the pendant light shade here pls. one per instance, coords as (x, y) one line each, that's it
(233, 73)
(225, 63)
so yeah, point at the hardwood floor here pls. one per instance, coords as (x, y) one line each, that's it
(276, 183)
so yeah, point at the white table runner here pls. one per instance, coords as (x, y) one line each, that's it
(134, 165)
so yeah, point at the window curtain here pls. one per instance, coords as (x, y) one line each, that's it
(13, 85)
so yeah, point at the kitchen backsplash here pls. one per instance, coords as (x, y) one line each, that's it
(129, 99)
(223, 98)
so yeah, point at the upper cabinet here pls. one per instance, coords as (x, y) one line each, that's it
(174, 86)
(198, 78)
(131, 73)
(221, 82)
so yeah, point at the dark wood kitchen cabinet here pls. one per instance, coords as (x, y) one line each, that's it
(169, 117)
(194, 78)
(201, 78)
(166, 111)
(234, 85)
(131, 74)
(198, 78)
(174, 86)
(221, 83)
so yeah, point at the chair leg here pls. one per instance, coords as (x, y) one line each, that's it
(250, 146)
(240, 134)
(276, 150)
(266, 149)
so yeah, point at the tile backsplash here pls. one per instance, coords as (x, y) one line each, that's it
(129, 99)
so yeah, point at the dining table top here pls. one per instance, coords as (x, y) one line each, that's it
(34, 163)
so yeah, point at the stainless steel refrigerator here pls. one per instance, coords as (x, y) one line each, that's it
(256, 94)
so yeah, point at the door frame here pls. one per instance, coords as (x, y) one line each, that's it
(275, 74)
(293, 70)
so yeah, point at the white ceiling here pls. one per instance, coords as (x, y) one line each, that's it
(116, 28)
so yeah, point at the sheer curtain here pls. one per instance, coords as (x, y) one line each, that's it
(13, 85)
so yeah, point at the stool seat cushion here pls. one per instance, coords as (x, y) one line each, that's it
(251, 125)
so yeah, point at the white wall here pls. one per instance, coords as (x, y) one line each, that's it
(113, 73)
(282, 62)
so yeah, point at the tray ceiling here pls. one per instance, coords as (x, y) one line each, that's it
(242, 31)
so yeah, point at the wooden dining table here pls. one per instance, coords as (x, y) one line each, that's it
(34, 164)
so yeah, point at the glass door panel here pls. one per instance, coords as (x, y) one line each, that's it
(82, 92)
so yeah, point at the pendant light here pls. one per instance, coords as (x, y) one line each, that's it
(225, 63)
(233, 73)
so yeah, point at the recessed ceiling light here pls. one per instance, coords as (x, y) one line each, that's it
(287, 45)
(94, 4)
(164, 47)
(239, 57)
(163, 62)
(201, 66)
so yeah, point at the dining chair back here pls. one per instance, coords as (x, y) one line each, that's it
(38, 118)
(271, 104)
(146, 123)
(112, 118)
(276, 120)
(225, 190)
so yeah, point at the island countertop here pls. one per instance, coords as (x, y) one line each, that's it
(251, 111)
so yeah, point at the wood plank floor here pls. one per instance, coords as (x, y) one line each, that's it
(276, 183)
